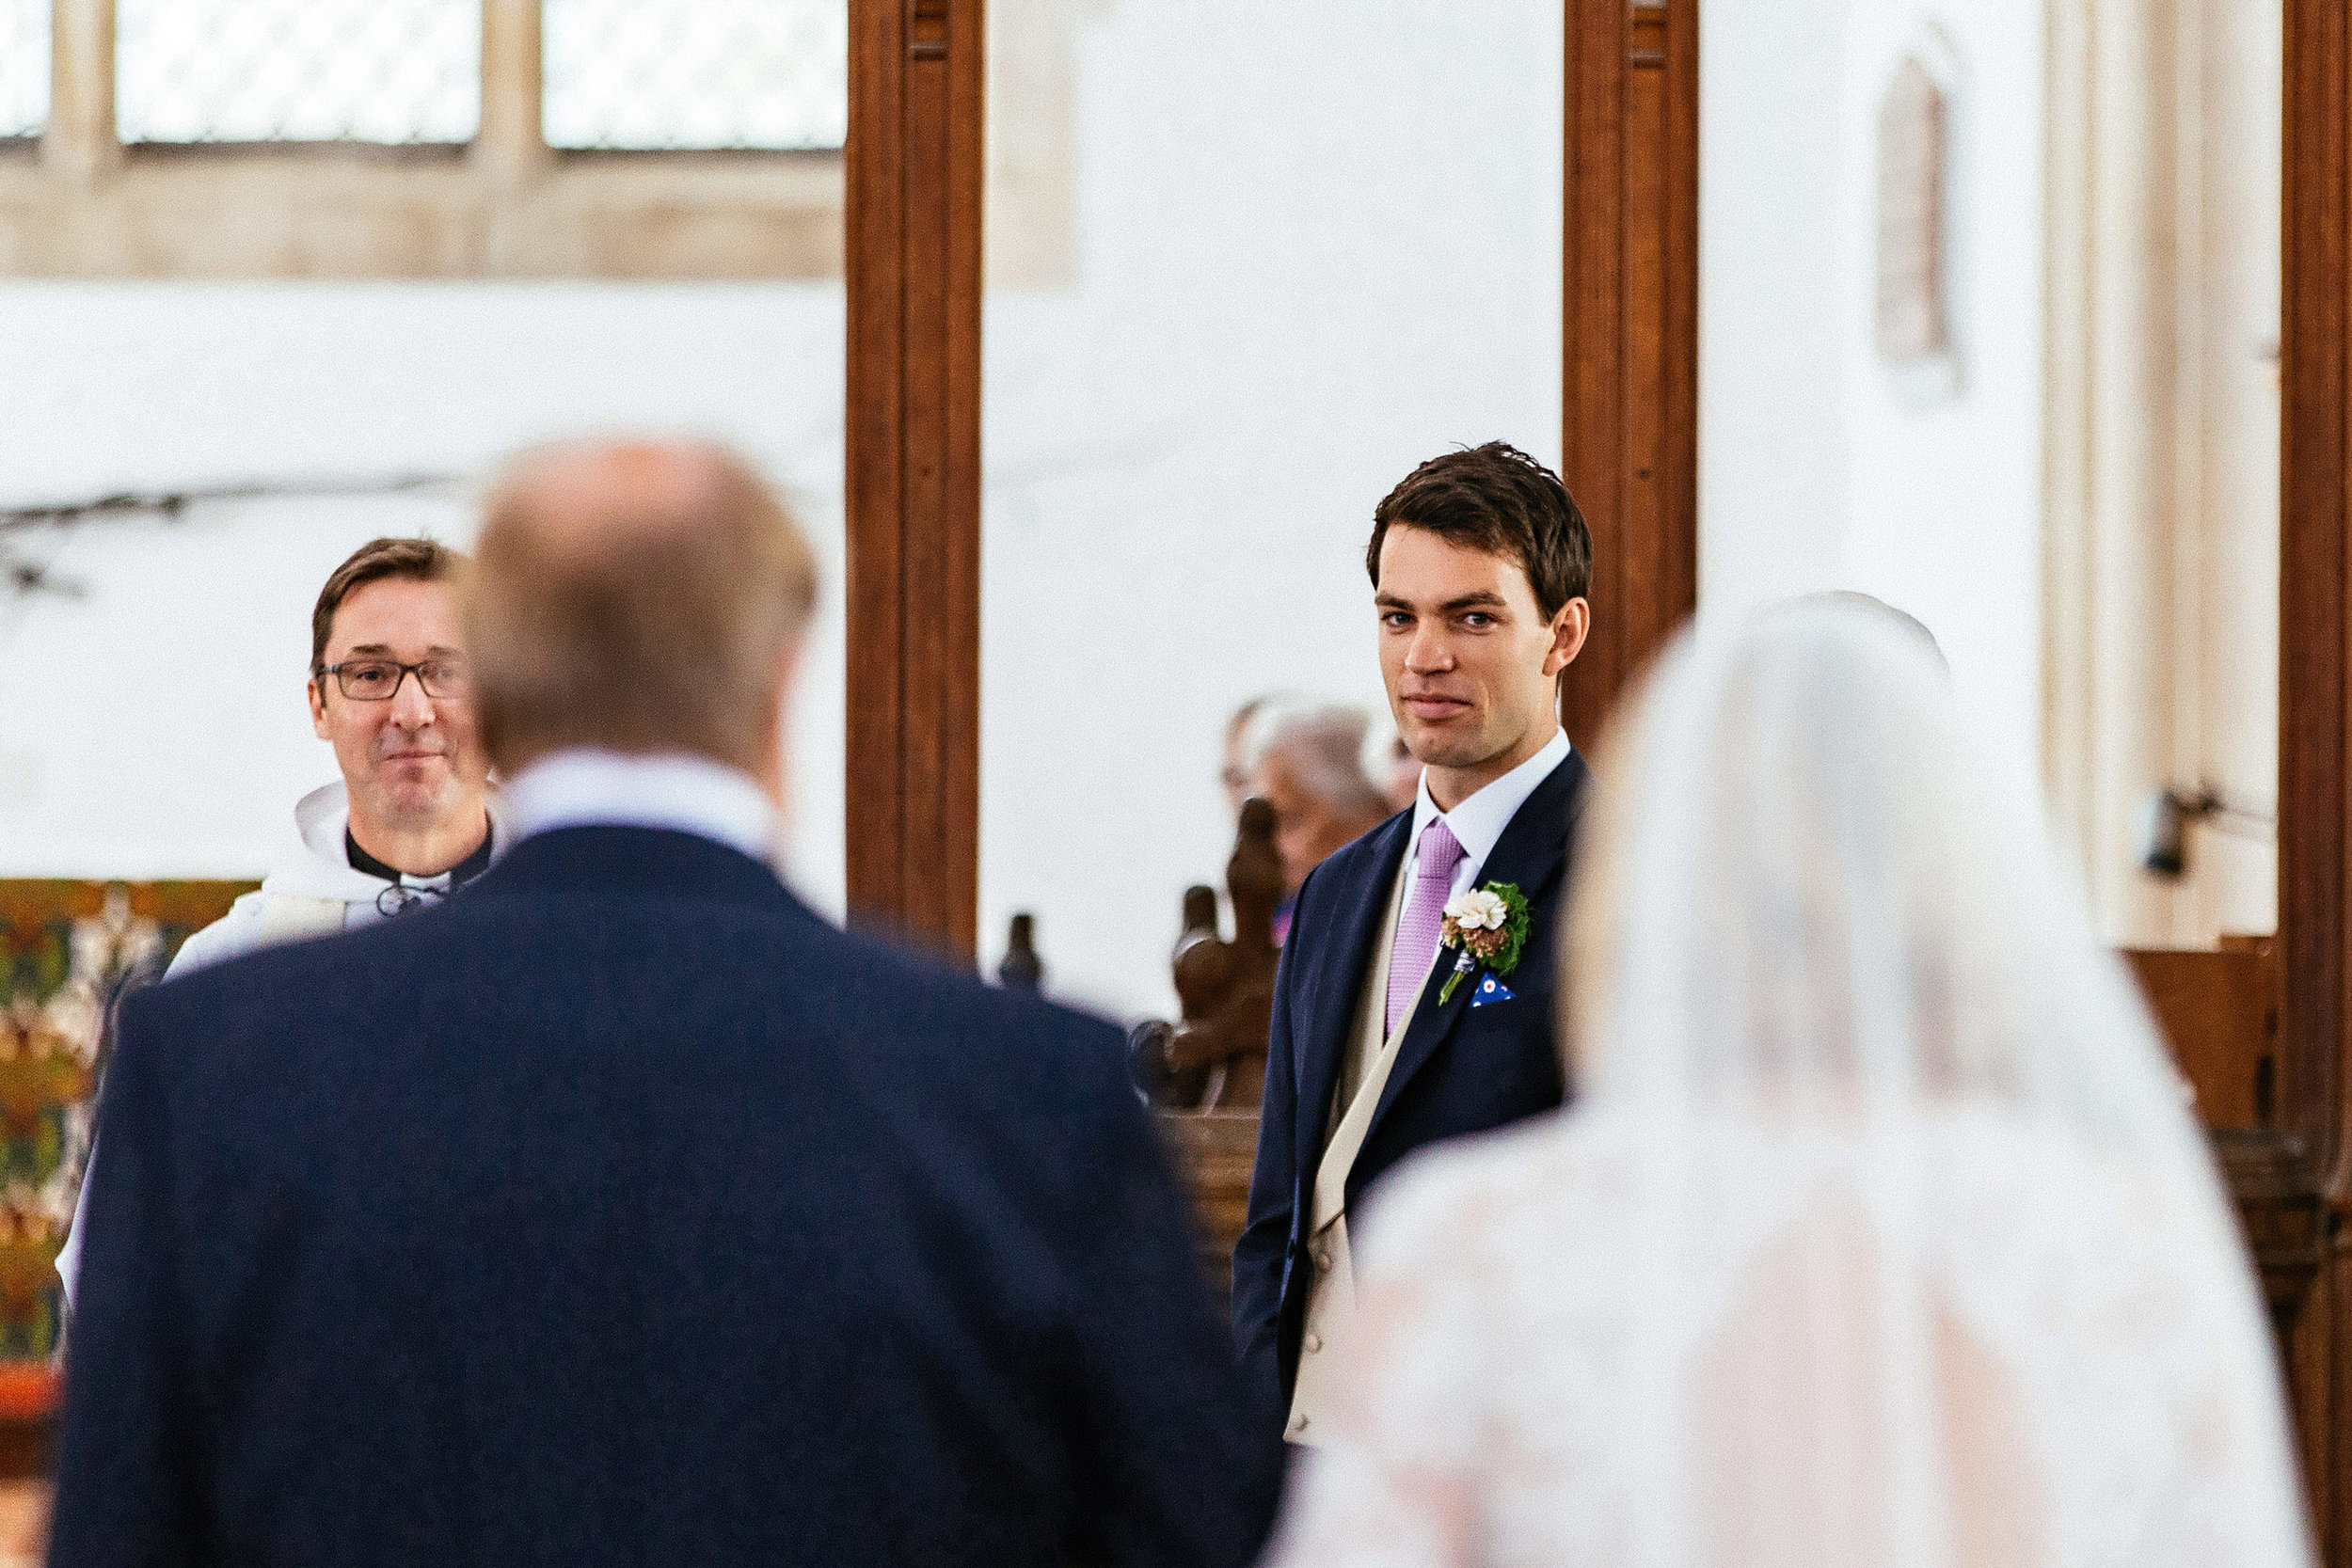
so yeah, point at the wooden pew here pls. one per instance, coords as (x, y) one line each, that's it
(2218, 1012)
(1216, 1150)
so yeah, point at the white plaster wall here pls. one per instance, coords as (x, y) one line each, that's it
(1815, 468)
(155, 725)
(1311, 254)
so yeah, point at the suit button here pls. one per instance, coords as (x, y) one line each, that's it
(1323, 1257)
(1315, 1343)
(1298, 1424)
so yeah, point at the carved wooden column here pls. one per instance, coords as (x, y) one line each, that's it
(1630, 340)
(913, 232)
(2315, 718)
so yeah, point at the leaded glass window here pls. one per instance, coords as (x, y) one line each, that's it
(24, 68)
(394, 72)
(696, 74)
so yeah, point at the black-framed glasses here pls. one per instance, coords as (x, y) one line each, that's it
(377, 680)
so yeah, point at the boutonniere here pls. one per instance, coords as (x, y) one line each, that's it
(1489, 925)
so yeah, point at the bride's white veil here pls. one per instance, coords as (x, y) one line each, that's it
(1933, 1265)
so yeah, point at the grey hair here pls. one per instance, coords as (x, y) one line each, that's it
(1381, 747)
(1323, 745)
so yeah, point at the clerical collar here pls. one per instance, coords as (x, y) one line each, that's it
(456, 876)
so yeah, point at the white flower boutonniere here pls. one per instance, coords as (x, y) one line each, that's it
(1489, 925)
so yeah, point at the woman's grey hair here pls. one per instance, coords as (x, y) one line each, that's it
(1322, 746)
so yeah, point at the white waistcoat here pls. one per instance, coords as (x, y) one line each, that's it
(1330, 1277)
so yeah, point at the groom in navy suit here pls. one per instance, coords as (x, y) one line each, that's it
(1387, 1035)
(622, 1210)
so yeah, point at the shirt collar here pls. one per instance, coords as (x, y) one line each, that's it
(1477, 823)
(590, 787)
(465, 871)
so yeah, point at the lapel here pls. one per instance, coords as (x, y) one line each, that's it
(1529, 855)
(1339, 978)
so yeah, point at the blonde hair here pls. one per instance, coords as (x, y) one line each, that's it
(636, 596)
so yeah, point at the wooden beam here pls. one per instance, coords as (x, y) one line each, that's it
(1630, 338)
(2314, 728)
(914, 227)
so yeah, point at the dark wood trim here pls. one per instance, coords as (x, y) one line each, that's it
(912, 235)
(2314, 782)
(1629, 336)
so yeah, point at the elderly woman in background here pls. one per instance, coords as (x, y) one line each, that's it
(1306, 761)
(1880, 1233)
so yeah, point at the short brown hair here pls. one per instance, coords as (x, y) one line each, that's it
(636, 596)
(377, 560)
(1498, 499)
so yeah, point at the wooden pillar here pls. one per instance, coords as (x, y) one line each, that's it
(913, 232)
(2315, 728)
(1629, 339)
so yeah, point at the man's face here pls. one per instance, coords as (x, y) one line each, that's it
(414, 762)
(1470, 663)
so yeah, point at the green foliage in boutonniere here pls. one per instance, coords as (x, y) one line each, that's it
(1489, 925)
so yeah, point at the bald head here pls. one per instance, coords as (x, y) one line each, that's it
(639, 595)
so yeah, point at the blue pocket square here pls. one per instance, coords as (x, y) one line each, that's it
(1489, 990)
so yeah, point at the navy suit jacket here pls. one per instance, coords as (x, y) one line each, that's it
(624, 1212)
(1458, 1069)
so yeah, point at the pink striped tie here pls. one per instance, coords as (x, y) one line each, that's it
(1424, 916)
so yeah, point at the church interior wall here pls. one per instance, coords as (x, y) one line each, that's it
(1820, 465)
(1269, 266)
(1304, 259)
(188, 637)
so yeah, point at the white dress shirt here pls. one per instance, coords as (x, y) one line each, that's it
(587, 786)
(1477, 822)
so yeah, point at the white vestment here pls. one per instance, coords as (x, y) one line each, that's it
(313, 889)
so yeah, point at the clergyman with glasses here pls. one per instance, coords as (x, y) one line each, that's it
(411, 818)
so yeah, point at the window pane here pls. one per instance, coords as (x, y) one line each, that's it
(396, 71)
(23, 67)
(696, 73)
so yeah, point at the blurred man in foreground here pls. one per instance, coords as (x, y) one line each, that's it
(622, 1210)
(410, 819)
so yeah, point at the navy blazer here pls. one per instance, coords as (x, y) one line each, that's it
(1458, 1069)
(623, 1211)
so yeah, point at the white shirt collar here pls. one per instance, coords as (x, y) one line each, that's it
(586, 786)
(1478, 821)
